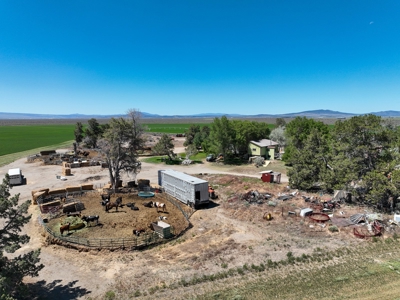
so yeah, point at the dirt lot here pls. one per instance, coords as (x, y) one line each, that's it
(229, 233)
(120, 223)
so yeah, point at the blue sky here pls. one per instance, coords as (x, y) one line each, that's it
(188, 57)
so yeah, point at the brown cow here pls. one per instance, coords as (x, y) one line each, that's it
(64, 228)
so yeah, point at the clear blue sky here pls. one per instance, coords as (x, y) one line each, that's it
(188, 57)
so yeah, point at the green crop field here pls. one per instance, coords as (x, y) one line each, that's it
(21, 138)
(170, 128)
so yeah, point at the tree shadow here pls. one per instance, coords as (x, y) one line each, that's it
(55, 290)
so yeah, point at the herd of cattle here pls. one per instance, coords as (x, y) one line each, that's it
(108, 204)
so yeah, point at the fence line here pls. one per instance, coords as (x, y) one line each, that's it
(178, 204)
(144, 240)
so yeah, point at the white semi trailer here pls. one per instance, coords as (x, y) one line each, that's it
(15, 176)
(190, 190)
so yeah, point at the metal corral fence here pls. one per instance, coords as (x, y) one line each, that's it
(187, 212)
(137, 242)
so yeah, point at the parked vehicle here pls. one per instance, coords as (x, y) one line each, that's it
(15, 175)
(210, 157)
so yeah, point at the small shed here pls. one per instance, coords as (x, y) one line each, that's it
(270, 176)
(163, 229)
(305, 212)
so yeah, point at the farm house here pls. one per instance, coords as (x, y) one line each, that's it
(264, 148)
(190, 190)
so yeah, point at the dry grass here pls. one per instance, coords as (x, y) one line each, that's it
(358, 273)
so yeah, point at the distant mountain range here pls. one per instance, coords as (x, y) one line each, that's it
(320, 113)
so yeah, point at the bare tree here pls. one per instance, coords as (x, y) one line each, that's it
(191, 150)
(120, 145)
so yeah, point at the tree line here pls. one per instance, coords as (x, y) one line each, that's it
(360, 155)
(229, 138)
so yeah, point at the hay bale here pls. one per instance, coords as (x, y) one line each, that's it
(144, 182)
(75, 164)
(57, 191)
(87, 187)
(70, 207)
(85, 164)
(37, 195)
(66, 172)
(131, 184)
(52, 203)
(70, 189)
(40, 190)
(47, 152)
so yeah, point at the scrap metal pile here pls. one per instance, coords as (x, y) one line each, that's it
(254, 197)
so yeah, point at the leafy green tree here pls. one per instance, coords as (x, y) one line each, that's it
(78, 132)
(246, 131)
(93, 133)
(365, 152)
(311, 163)
(13, 270)
(191, 133)
(197, 135)
(297, 132)
(165, 146)
(120, 145)
(222, 136)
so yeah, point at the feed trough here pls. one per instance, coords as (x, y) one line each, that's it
(146, 194)
(319, 217)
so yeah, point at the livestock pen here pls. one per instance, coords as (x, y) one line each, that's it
(115, 229)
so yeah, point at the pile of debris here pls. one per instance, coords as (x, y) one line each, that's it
(254, 197)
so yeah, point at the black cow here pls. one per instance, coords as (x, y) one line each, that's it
(89, 219)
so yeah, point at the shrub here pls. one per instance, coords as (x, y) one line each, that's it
(259, 161)
(333, 228)
(110, 295)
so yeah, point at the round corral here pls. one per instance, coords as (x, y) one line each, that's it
(122, 221)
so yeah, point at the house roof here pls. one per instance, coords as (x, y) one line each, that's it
(264, 143)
